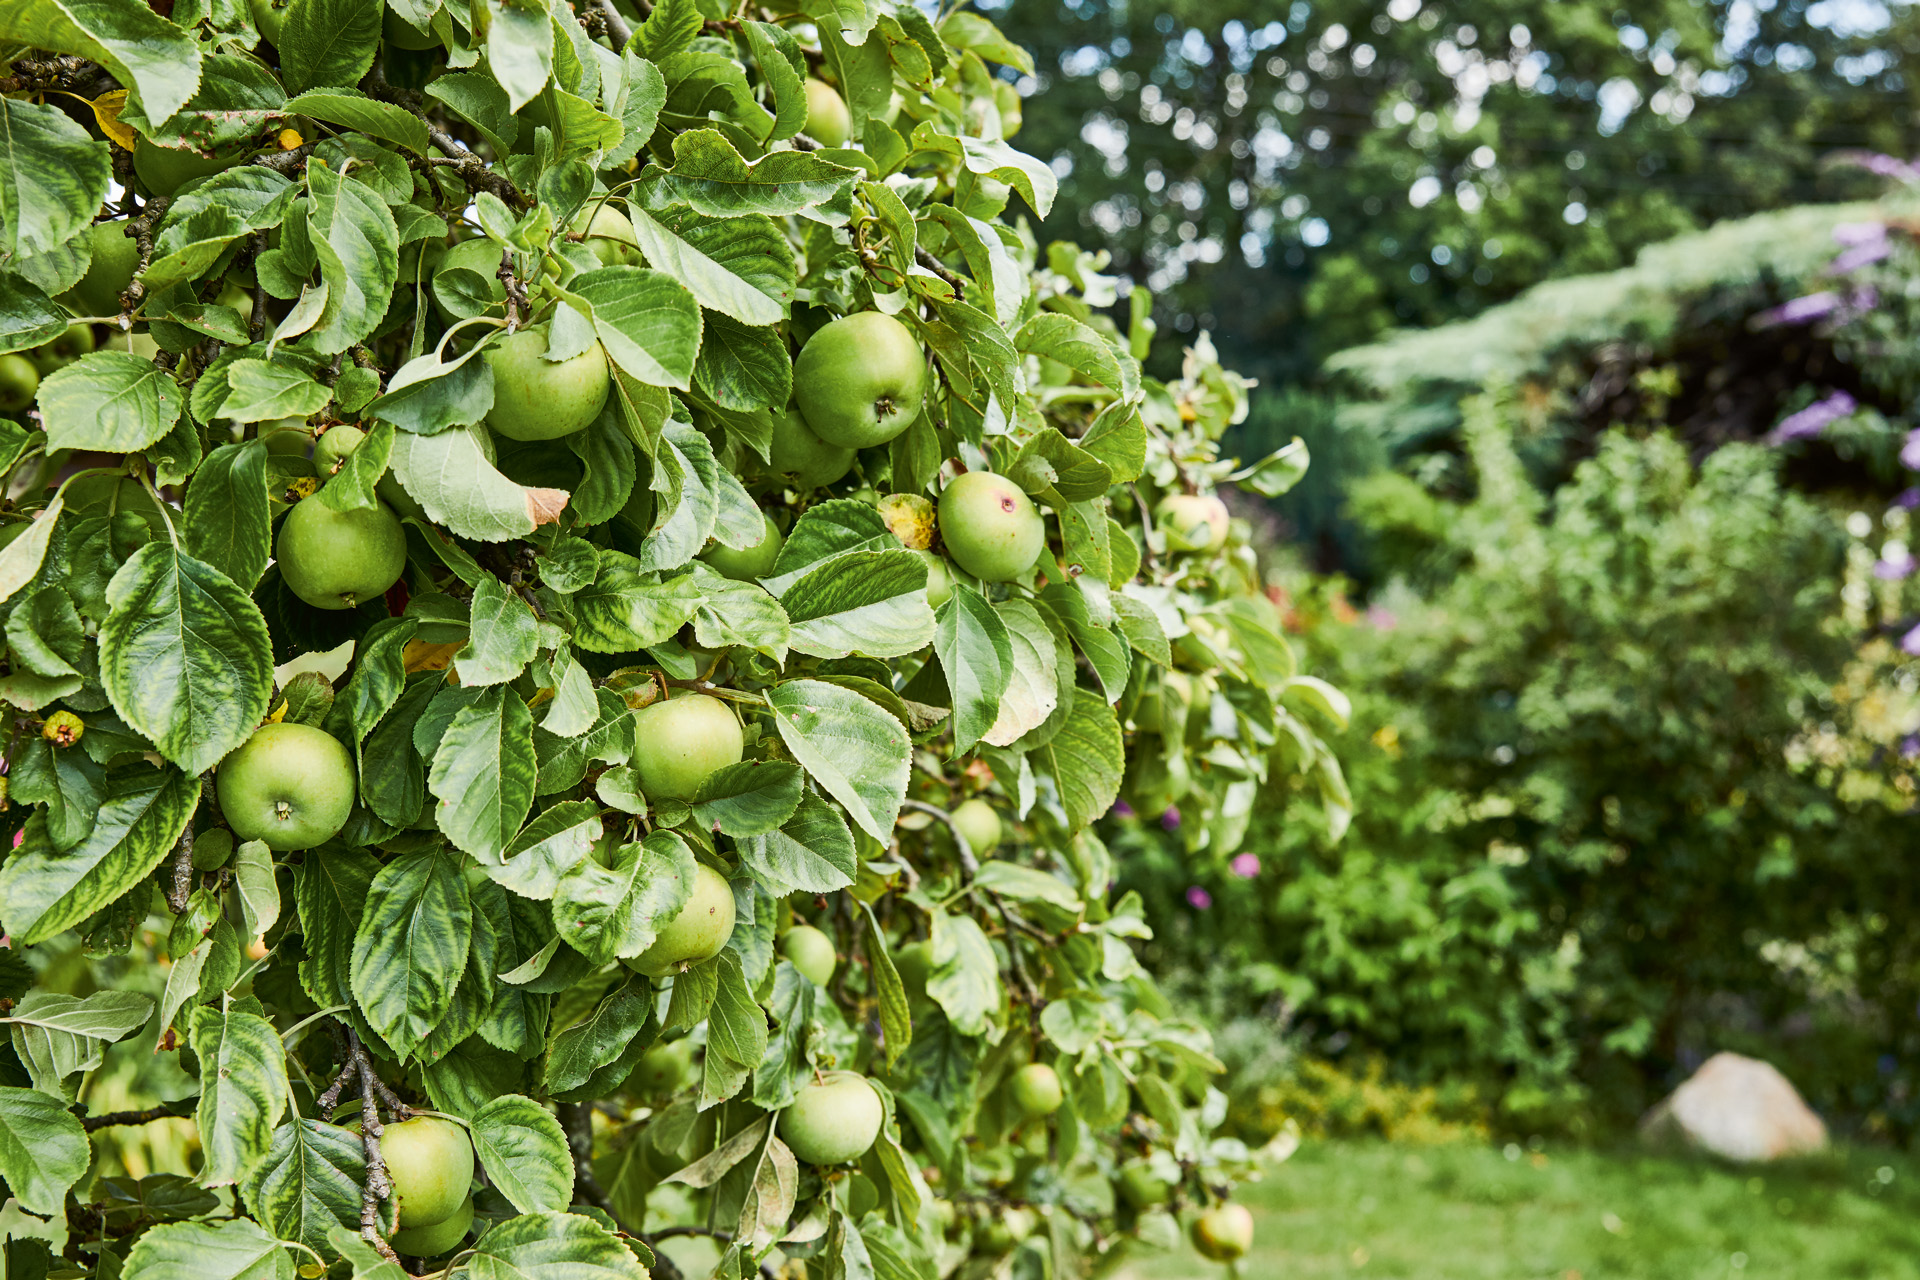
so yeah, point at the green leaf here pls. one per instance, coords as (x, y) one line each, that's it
(56, 1035)
(450, 476)
(552, 1246)
(741, 267)
(358, 247)
(549, 847)
(1086, 760)
(736, 1025)
(1105, 650)
(479, 100)
(1276, 473)
(1032, 177)
(44, 891)
(738, 613)
(239, 100)
(145, 52)
(672, 27)
(353, 486)
(525, 1153)
(626, 609)
(1054, 469)
(617, 1024)
(426, 396)
(108, 400)
(870, 602)
(1026, 884)
(259, 892)
(504, 639)
(615, 911)
(976, 34)
(637, 102)
(712, 178)
(896, 1020)
(977, 658)
(28, 317)
(329, 42)
(259, 392)
(185, 656)
(243, 1090)
(357, 111)
(233, 1249)
(483, 773)
(647, 320)
(307, 1183)
(812, 852)
(1033, 684)
(965, 981)
(519, 48)
(228, 523)
(43, 1149)
(853, 748)
(53, 177)
(749, 799)
(411, 946)
(20, 560)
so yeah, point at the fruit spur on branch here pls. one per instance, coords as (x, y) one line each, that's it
(583, 580)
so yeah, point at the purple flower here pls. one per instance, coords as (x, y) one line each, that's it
(1382, 618)
(1121, 809)
(1874, 162)
(1800, 310)
(1199, 899)
(1910, 746)
(1890, 570)
(1910, 452)
(1908, 499)
(1170, 819)
(1863, 255)
(1850, 234)
(1813, 419)
(1246, 865)
(1910, 642)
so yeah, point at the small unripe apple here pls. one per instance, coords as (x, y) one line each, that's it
(431, 1163)
(1035, 1090)
(976, 820)
(1223, 1233)
(990, 526)
(939, 581)
(165, 169)
(914, 964)
(861, 380)
(802, 456)
(115, 255)
(811, 952)
(441, 1237)
(535, 398)
(1142, 1186)
(58, 353)
(663, 1068)
(340, 559)
(750, 563)
(609, 234)
(289, 785)
(19, 382)
(833, 1120)
(697, 931)
(679, 741)
(1192, 522)
(828, 121)
(333, 446)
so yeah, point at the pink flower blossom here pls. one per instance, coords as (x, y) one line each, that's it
(1246, 865)
(1199, 899)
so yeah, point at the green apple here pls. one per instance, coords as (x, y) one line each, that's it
(441, 1237)
(811, 952)
(803, 457)
(1143, 1186)
(1035, 1090)
(19, 382)
(340, 559)
(860, 380)
(431, 1163)
(333, 446)
(679, 741)
(270, 18)
(663, 1068)
(832, 1120)
(914, 964)
(976, 820)
(1223, 1233)
(697, 931)
(1192, 522)
(289, 785)
(828, 121)
(609, 234)
(754, 562)
(535, 398)
(990, 526)
(939, 581)
(115, 255)
(165, 170)
(58, 353)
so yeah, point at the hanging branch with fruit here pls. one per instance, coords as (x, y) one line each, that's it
(590, 568)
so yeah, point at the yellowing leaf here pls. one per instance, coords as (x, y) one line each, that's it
(106, 109)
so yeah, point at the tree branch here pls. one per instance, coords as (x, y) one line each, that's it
(617, 29)
(938, 268)
(112, 1119)
(968, 863)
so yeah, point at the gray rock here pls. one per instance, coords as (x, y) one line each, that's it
(1739, 1109)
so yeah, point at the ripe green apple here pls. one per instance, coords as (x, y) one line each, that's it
(115, 255)
(976, 820)
(663, 1068)
(270, 19)
(860, 380)
(754, 562)
(939, 581)
(1035, 1090)
(482, 257)
(333, 446)
(57, 353)
(828, 121)
(290, 785)
(833, 1120)
(535, 398)
(990, 526)
(401, 34)
(609, 235)
(697, 931)
(811, 952)
(19, 381)
(802, 456)
(165, 170)
(1192, 522)
(914, 963)
(340, 559)
(431, 1163)
(1143, 1186)
(441, 1237)
(679, 741)
(1223, 1233)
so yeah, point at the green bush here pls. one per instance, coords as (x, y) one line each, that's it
(1582, 856)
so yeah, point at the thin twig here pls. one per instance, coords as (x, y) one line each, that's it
(112, 1119)
(969, 864)
(141, 229)
(617, 29)
(182, 886)
(939, 268)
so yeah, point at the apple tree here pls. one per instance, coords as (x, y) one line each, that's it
(577, 588)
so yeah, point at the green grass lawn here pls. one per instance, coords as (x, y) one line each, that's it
(1468, 1212)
